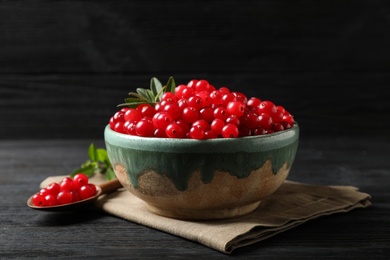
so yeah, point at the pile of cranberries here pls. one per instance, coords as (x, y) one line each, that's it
(200, 111)
(67, 191)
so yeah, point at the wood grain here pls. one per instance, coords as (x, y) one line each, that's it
(64, 65)
(324, 160)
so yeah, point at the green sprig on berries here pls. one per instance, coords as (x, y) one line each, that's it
(98, 163)
(149, 96)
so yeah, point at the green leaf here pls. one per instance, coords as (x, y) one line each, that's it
(171, 85)
(155, 86)
(87, 170)
(150, 95)
(110, 174)
(92, 153)
(139, 96)
(134, 104)
(132, 99)
(145, 94)
(102, 155)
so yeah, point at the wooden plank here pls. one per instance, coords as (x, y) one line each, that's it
(192, 36)
(79, 106)
(324, 160)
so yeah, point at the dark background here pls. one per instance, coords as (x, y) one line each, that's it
(65, 65)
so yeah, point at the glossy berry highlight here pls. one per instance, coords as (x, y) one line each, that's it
(199, 110)
(67, 191)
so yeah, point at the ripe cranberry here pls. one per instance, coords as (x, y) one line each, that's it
(248, 119)
(179, 91)
(129, 128)
(145, 128)
(202, 85)
(217, 125)
(233, 120)
(264, 121)
(172, 109)
(267, 107)
(244, 131)
(205, 96)
(112, 123)
(64, 197)
(220, 113)
(258, 131)
(196, 132)
(288, 119)
(192, 83)
(224, 90)
(86, 192)
(277, 117)
(253, 102)
(182, 103)
(67, 185)
(209, 134)
(240, 97)
(161, 120)
(133, 115)
(119, 116)
(79, 180)
(169, 96)
(202, 124)
(216, 97)
(187, 93)
(159, 132)
(75, 196)
(50, 200)
(38, 200)
(174, 130)
(226, 98)
(236, 108)
(230, 131)
(200, 104)
(196, 102)
(119, 127)
(68, 190)
(276, 127)
(190, 114)
(184, 125)
(206, 113)
(53, 188)
(93, 187)
(146, 110)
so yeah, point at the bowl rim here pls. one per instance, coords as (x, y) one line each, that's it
(221, 145)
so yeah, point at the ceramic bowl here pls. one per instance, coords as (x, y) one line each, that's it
(206, 179)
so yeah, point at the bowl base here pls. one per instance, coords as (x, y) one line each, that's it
(207, 214)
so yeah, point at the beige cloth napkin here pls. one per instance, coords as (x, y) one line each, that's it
(291, 205)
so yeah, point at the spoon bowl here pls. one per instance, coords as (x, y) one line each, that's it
(101, 189)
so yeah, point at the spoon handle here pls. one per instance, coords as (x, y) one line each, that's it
(110, 186)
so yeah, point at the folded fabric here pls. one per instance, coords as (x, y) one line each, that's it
(291, 205)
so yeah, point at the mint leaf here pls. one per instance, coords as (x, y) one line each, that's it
(92, 152)
(155, 86)
(110, 174)
(98, 162)
(101, 155)
(133, 104)
(149, 96)
(144, 94)
(171, 85)
(87, 170)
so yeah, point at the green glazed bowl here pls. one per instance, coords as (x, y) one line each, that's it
(207, 179)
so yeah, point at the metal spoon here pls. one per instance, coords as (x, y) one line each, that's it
(101, 189)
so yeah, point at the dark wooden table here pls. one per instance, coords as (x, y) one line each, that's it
(345, 160)
(65, 65)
